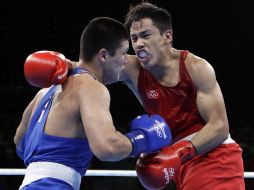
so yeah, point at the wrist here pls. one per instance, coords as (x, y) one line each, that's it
(138, 141)
(186, 151)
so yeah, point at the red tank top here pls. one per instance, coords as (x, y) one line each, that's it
(177, 104)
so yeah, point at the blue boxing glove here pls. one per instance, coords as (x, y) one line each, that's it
(148, 134)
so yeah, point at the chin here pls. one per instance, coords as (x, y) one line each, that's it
(111, 81)
(146, 65)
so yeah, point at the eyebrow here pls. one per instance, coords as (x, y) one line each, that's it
(141, 33)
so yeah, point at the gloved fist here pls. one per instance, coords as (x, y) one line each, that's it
(148, 134)
(155, 171)
(46, 68)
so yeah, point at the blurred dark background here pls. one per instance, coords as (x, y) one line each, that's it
(221, 32)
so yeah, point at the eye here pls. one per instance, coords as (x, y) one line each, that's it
(134, 39)
(146, 35)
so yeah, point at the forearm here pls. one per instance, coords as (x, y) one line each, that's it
(115, 148)
(147, 134)
(209, 137)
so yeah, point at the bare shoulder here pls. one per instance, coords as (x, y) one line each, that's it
(91, 89)
(200, 70)
(132, 63)
(40, 94)
(131, 70)
(132, 59)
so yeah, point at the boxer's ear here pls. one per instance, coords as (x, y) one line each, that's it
(103, 55)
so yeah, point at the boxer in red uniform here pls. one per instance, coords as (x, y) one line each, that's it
(69, 122)
(182, 88)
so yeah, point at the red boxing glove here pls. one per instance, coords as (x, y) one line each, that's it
(46, 68)
(155, 171)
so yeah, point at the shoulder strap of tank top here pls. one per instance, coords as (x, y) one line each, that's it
(36, 115)
(183, 70)
(44, 101)
(79, 70)
(183, 55)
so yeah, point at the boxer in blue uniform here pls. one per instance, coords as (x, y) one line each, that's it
(69, 122)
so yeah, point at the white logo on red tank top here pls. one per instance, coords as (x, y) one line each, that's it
(152, 94)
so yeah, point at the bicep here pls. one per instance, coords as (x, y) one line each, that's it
(211, 104)
(211, 107)
(210, 100)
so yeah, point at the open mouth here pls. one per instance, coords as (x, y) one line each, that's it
(142, 55)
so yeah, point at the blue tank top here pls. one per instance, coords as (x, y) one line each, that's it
(38, 146)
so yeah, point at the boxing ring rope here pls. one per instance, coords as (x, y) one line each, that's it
(114, 173)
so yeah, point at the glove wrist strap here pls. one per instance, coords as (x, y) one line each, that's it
(186, 151)
(139, 142)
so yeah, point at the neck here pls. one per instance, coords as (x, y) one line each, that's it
(169, 61)
(94, 68)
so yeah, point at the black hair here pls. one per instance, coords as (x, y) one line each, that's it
(101, 32)
(161, 17)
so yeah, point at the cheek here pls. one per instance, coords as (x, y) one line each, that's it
(133, 45)
(120, 62)
(114, 67)
(156, 48)
(155, 44)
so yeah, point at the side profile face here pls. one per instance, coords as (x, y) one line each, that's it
(114, 65)
(148, 43)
